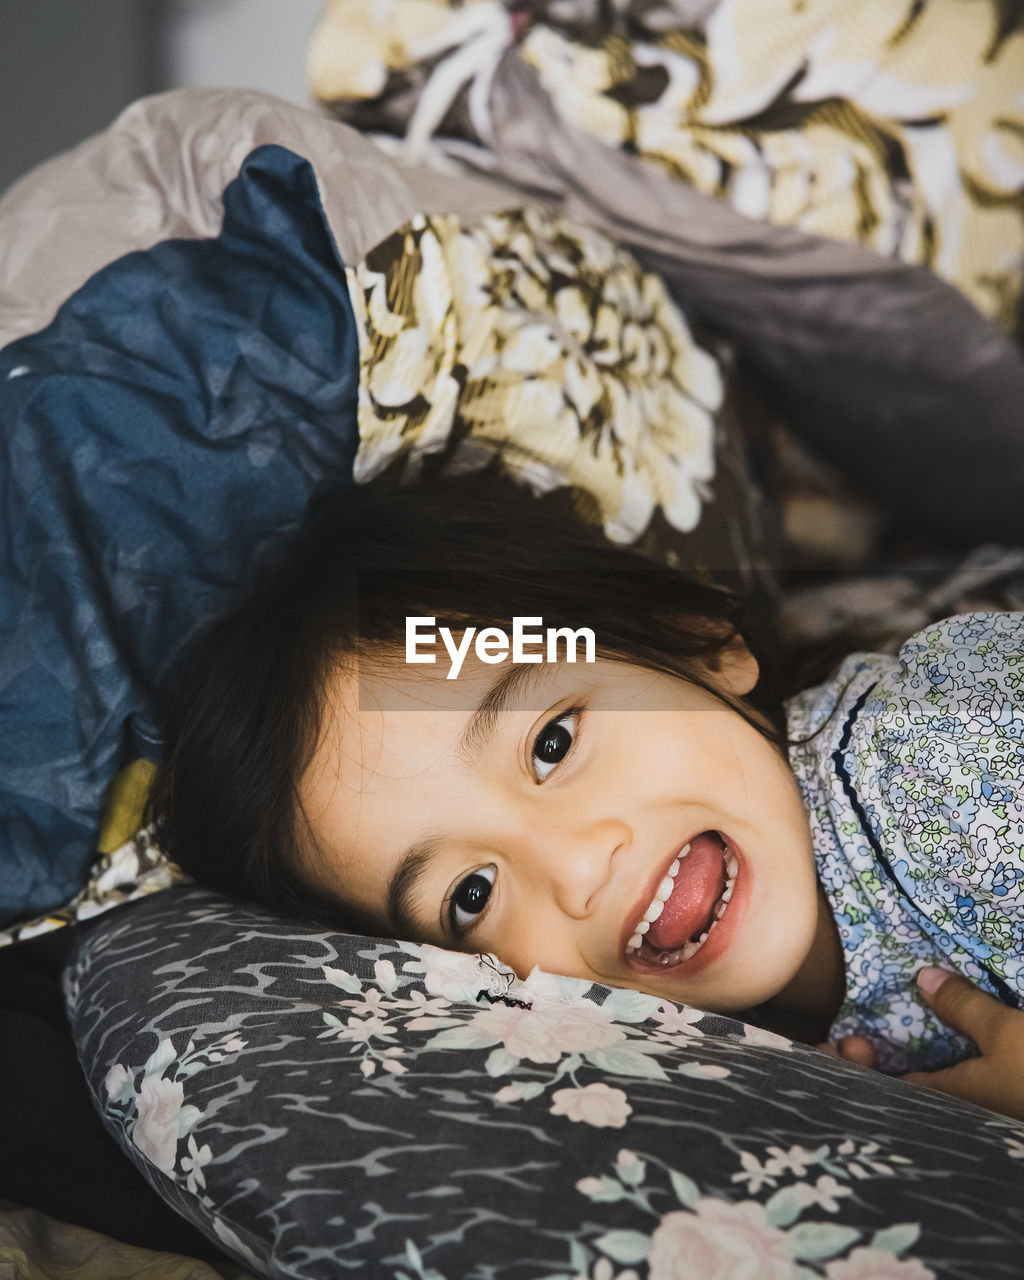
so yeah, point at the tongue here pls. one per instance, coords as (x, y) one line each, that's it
(697, 888)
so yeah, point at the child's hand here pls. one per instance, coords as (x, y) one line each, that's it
(856, 1049)
(996, 1079)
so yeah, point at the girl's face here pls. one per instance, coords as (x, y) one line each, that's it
(598, 820)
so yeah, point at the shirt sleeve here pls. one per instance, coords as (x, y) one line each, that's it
(940, 772)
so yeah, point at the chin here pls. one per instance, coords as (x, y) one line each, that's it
(740, 981)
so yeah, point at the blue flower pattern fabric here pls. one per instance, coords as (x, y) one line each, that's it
(912, 768)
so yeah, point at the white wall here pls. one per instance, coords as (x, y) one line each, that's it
(67, 67)
(246, 44)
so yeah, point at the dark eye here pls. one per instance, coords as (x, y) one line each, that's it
(553, 743)
(470, 898)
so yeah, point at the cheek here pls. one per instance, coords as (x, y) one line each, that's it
(780, 922)
(535, 936)
(660, 751)
(522, 933)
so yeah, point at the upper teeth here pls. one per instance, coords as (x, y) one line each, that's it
(661, 896)
(657, 905)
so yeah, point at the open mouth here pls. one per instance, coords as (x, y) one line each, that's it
(689, 903)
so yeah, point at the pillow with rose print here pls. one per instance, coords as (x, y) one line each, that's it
(319, 1102)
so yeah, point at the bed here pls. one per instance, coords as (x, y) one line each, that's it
(225, 305)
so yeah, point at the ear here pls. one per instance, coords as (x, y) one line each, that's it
(735, 668)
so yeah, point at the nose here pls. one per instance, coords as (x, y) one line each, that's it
(572, 859)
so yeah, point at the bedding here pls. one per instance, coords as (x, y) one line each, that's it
(148, 394)
(839, 187)
(225, 305)
(320, 1103)
(315, 1102)
(36, 1247)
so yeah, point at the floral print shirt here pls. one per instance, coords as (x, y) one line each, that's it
(912, 769)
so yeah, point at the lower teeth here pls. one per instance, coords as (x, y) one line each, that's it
(667, 958)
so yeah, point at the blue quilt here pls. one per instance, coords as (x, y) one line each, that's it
(181, 408)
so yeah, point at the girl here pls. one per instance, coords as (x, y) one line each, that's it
(362, 741)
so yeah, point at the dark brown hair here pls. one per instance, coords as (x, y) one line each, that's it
(244, 721)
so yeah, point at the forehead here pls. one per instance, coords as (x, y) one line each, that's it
(383, 722)
(376, 714)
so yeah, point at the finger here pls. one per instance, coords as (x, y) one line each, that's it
(968, 1081)
(933, 1080)
(854, 1049)
(962, 1006)
(860, 1050)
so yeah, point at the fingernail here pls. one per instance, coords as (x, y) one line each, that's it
(929, 980)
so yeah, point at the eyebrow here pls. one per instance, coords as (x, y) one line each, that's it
(404, 883)
(412, 865)
(516, 679)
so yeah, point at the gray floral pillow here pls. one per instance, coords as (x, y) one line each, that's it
(320, 1103)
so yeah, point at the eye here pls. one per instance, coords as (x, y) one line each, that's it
(470, 899)
(553, 743)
